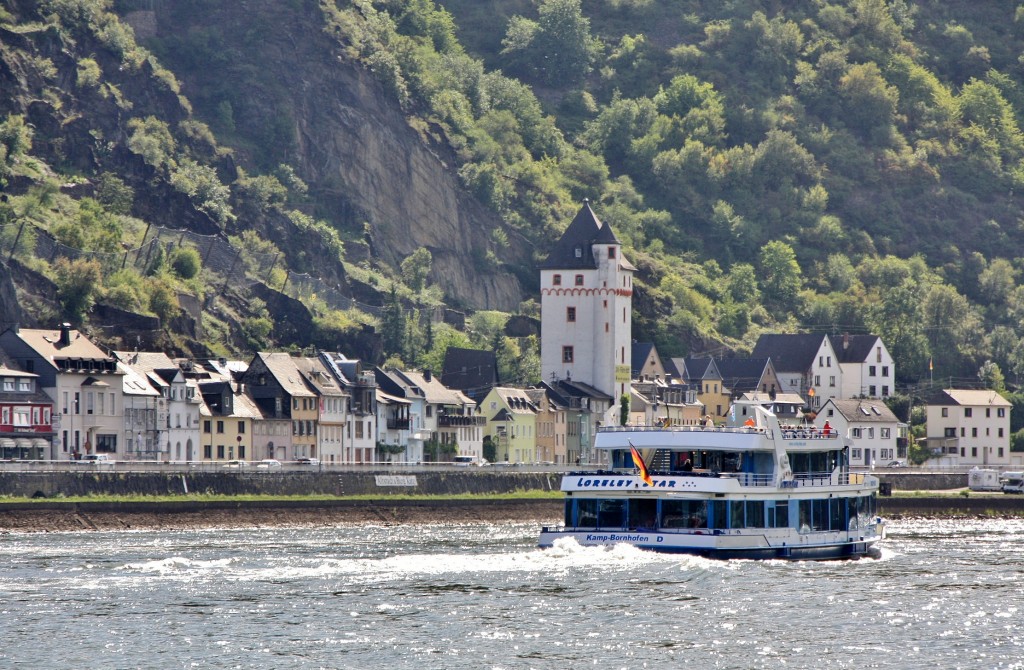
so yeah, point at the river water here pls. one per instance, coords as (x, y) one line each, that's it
(941, 594)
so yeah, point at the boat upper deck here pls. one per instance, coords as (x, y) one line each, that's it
(720, 438)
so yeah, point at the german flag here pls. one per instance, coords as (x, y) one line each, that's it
(638, 461)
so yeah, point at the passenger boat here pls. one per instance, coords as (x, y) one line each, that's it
(750, 489)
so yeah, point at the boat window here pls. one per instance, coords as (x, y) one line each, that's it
(755, 513)
(820, 519)
(778, 514)
(643, 514)
(684, 514)
(568, 512)
(611, 514)
(736, 514)
(586, 513)
(837, 519)
(719, 514)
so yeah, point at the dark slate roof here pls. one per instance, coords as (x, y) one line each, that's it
(741, 374)
(584, 231)
(789, 352)
(698, 368)
(473, 371)
(581, 390)
(858, 348)
(675, 368)
(641, 352)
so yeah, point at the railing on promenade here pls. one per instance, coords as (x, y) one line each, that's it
(285, 467)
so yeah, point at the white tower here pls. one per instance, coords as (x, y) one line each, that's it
(586, 289)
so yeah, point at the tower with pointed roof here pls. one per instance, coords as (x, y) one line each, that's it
(586, 290)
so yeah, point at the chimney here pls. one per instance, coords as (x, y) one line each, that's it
(846, 341)
(426, 375)
(65, 334)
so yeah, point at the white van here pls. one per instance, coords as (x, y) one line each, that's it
(1013, 482)
(98, 459)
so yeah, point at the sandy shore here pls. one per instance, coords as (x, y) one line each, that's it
(86, 517)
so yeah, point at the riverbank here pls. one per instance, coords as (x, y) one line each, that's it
(53, 516)
(189, 515)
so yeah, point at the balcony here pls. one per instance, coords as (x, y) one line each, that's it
(456, 420)
(398, 424)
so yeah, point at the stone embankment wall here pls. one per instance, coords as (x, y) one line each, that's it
(63, 484)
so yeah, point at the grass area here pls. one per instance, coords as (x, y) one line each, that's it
(218, 497)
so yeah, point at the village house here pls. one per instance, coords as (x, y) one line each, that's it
(274, 382)
(332, 411)
(26, 416)
(511, 424)
(83, 382)
(867, 367)
(360, 413)
(450, 416)
(967, 427)
(806, 365)
(877, 436)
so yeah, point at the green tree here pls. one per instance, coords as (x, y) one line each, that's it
(392, 327)
(992, 377)
(558, 47)
(781, 276)
(416, 269)
(186, 262)
(78, 283)
(163, 301)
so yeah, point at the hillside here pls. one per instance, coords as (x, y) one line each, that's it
(846, 166)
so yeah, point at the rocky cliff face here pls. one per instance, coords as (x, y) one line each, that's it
(351, 142)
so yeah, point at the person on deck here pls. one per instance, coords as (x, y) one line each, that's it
(826, 430)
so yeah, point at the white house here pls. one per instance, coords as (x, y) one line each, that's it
(806, 365)
(361, 422)
(586, 290)
(867, 366)
(970, 427)
(876, 434)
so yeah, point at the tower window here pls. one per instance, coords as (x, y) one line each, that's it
(579, 280)
(611, 252)
(567, 354)
(556, 280)
(570, 314)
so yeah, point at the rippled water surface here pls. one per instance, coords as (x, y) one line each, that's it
(942, 594)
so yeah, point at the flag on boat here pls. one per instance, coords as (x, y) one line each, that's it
(638, 461)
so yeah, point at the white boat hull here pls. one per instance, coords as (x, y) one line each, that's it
(773, 543)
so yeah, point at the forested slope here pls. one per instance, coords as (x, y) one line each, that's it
(839, 166)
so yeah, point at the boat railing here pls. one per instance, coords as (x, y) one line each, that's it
(737, 430)
(808, 433)
(821, 478)
(750, 478)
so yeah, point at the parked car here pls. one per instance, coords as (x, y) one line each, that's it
(308, 461)
(268, 463)
(896, 464)
(236, 464)
(98, 459)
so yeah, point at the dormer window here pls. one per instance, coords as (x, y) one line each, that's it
(579, 252)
